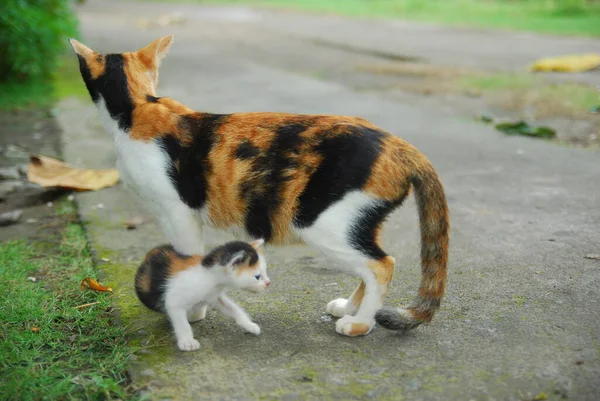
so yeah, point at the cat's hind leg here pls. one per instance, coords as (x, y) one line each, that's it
(348, 231)
(197, 312)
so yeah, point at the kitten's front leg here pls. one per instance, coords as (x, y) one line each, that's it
(182, 329)
(229, 308)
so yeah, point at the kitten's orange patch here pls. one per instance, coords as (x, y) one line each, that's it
(144, 282)
(180, 264)
(246, 269)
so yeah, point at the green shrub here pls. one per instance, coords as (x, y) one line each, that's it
(33, 34)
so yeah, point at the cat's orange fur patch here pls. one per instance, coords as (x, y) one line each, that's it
(358, 329)
(358, 295)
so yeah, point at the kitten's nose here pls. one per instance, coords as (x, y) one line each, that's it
(267, 283)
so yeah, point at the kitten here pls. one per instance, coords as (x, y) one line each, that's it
(182, 286)
(329, 181)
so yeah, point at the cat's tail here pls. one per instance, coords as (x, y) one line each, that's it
(435, 224)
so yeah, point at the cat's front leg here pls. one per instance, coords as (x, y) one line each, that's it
(178, 223)
(229, 308)
(182, 329)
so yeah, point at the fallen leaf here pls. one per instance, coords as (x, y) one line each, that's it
(92, 284)
(592, 256)
(49, 172)
(132, 223)
(35, 329)
(86, 305)
(522, 128)
(569, 63)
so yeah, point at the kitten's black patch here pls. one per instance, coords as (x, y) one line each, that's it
(87, 79)
(246, 150)
(362, 233)
(346, 166)
(152, 99)
(189, 162)
(223, 254)
(156, 266)
(263, 189)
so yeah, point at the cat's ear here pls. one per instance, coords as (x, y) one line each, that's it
(257, 243)
(81, 49)
(156, 51)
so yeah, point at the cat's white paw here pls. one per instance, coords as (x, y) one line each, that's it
(197, 313)
(337, 307)
(188, 344)
(352, 326)
(252, 328)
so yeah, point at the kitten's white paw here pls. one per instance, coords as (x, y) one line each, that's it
(189, 344)
(197, 313)
(337, 307)
(352, 326)
(252, 328)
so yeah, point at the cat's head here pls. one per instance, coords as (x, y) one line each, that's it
(242, 262)
(132, 75)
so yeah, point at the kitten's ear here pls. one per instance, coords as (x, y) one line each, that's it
(257, 243)
(156, 51)
(236, 259)
(81, 49)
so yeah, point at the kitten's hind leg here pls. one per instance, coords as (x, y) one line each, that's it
(197, 312)
(182, 329)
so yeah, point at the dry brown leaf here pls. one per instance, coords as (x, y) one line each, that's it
(132, 223)
(49, 172)
(35, 329)
(86, 305)
(92, 284)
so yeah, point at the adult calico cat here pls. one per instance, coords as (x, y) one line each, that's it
(329, 181)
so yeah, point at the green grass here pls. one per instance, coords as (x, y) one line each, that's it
(567, 96)
(565, 17)
(76, 353)
(66, 81)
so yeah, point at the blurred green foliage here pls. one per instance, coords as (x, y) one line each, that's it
(33, 34)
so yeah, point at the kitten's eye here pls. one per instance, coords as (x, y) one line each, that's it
(257, 277)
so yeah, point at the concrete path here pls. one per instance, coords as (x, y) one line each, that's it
(522, 313)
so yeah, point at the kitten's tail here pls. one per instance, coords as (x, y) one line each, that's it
(435, 224)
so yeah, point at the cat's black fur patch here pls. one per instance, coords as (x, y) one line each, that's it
(346, 166)
(391, 319)
(112, 85)
(246, 151)
(189, 162)
(272, 167)
(152, 99)
(87, 79)
(223, 254)
(362, 233)
(156, 265)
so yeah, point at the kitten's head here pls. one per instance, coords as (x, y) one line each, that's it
(133, 74)
(243, 263)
